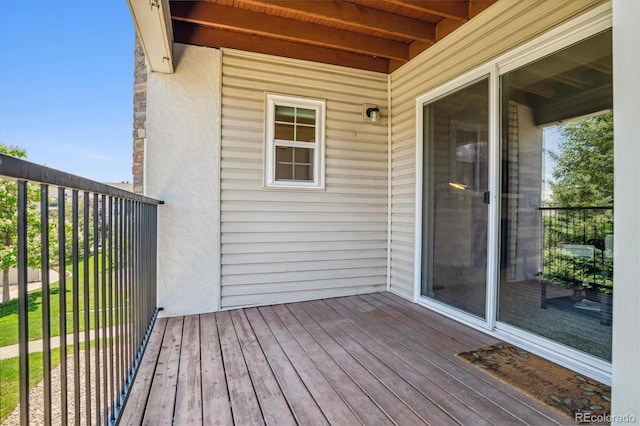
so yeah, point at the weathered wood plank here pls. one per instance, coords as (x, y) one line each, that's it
(188, 408)
(449, 395)
(162, 397)
(216, 409)
(137, 400)
(369, 359)
(244, 403)
(432, 350)
(455, 330)
(334, 408)
(274, 407)
(429, 412)
(304, 407)
(347, 386)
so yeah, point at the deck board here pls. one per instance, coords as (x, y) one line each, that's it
(188, 408)
(216, 408)
(162, 395)
(369, 359)
(346, 384)
(244, 404)
(333, 407)
(138, 397)
(274, 406)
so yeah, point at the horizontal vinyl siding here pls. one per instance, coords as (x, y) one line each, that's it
(501, 27)
(281, 245)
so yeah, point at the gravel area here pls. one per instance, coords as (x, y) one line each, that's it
(36, 397)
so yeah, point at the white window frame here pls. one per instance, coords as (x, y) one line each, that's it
(319, 106)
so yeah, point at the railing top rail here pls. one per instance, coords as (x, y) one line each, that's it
(24, 170)
(578, 208)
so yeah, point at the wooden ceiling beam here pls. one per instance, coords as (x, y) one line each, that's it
(267, 26)
(452, 9)
(446, 27)
(356, 15)
(188, 33)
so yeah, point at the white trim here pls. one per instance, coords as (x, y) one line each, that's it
(456, 314)
(389, 186)
(217, 292)
(493, 225)
(560, 354)
(593, 22)
(153, 25)
(318, 105)
(626, 252)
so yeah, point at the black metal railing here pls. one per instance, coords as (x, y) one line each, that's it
(578, 247)
(96, 318)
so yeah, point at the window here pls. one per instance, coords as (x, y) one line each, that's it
(294, 146)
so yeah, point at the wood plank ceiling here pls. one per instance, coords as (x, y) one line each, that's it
(376, 35)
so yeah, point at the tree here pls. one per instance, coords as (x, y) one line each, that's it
(9, 224)
(583, 174)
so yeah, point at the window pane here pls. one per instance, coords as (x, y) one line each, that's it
(306, 116)
(284, 154)
(294, 164)
(557, 186)
(285, 114)
(284, 171)
(305, 134)
(304, 155)
(303, 172)
(284, 132)
(455, 215)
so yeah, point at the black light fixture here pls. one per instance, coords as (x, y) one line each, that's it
(371, 113)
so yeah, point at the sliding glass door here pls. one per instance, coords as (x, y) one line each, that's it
(454, 189)
(547, 278)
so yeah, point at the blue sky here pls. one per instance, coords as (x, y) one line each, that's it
(66, 84)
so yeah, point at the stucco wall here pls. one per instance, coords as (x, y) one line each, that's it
(181, 168)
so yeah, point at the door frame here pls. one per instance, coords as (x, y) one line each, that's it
(452, 86)
(597, 20)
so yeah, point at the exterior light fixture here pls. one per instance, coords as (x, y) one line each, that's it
(370, 113)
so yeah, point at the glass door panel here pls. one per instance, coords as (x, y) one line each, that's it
(556, 268)
(455, 185)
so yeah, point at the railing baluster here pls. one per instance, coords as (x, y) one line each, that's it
(119, 294)
(86, 304)
(76, 303)
(62, 296)
(96, 303)
(105, 326)
(112, 381)
(23, 303)
(46, 301)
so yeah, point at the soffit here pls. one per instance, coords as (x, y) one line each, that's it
(373, 35)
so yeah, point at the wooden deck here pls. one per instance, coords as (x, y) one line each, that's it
(372, 359)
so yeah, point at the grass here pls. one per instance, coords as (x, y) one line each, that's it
(9, 312)
(10, 379)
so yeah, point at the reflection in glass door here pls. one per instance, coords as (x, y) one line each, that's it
(455, 185)
(556, 269)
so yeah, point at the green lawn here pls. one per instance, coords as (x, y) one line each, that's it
(10, 379)
(9, 312)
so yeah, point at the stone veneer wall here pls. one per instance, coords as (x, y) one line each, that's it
(139, 117)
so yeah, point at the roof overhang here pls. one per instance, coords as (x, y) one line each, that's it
(152, 20)
(374, 35)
